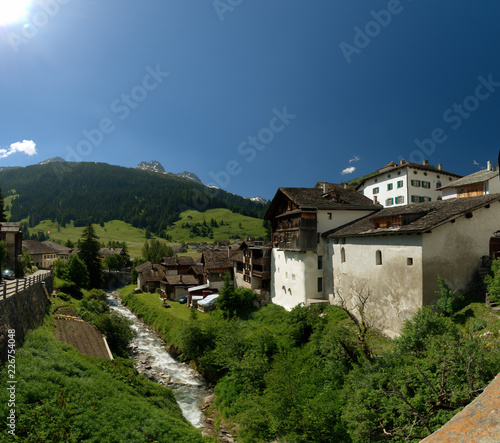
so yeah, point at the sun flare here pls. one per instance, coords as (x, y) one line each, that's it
(13, 10)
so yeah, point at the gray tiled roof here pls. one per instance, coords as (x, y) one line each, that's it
(394, 167)
(478, 177)
(336, 197)
(433, 215)
(35, 247)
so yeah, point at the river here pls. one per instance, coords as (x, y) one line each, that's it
(156, 363)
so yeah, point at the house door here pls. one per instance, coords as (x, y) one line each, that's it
(495, 247)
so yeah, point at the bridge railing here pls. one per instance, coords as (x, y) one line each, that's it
(12, 287)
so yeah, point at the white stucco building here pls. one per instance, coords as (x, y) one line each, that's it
(482, 182)
(298, 217)
(406, 183)
(398, 253)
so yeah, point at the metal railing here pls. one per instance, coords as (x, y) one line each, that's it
(12, 287)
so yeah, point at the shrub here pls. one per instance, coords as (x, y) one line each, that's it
(448, 302)
(493, 282)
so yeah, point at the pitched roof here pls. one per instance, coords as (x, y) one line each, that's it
(59, 248)
(394, 167)
(181, 279)
(10, 227)
(323, 196)
(106, 251)
(478, 177)
(178, 260)
(35, 247)
(426, 216)
(216, 258)
(150, 271)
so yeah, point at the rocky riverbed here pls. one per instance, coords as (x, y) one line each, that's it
(152, 359)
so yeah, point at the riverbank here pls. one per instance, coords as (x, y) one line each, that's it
(154, 359)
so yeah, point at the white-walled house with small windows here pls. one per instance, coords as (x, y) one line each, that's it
(298, 218)
(406, 183)
(482, 182)
(397, 254)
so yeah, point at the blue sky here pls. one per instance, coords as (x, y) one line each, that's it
(252, 95)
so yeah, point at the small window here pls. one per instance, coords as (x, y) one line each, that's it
(320, 284)
(329, 216)
(400, 183)
(320, 262)
(415, 183)
(426, 185)
(378, 257)
(375, 200)
(414, 198)
(400, 199)
(293, 277)
(438, 185)
(409, 261)
(342, 255)
(389, 186)
(375, 190)
(389, 202)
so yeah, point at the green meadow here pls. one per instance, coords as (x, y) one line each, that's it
(233, 225)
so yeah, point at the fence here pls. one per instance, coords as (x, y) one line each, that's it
(13, 287)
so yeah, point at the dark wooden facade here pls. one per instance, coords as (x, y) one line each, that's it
(295, 230)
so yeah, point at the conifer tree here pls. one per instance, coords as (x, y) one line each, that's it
(89, 254)
(3, 216)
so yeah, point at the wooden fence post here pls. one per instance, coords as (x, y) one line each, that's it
(4, 290)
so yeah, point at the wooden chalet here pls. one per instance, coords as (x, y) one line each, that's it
(216, 263)
(294, 213)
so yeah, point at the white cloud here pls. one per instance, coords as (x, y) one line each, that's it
(348, 170)
(354, 159)
(27, 147)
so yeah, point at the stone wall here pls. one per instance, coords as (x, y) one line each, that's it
(23, 312)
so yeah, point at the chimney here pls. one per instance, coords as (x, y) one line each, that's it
(425, 162)
(402, 162)
(324, 187)
(489, 165)
(440, 166)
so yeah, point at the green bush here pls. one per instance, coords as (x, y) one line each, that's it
(449, 302)
(493, 282)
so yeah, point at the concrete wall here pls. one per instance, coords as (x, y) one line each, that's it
(395, 285)
(22, 312)
(454, 250)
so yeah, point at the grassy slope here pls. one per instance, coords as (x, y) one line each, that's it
(63, 395)
(149, 308)
(135, 238)
(250, 226)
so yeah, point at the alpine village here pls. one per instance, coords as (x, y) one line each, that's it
(141, 305)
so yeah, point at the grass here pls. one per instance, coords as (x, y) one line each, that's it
(148, 307)
(62, 395)
(120, 231)
(250, 227)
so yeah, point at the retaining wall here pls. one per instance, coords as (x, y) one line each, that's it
(23, 312)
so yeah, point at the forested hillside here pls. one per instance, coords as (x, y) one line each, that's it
(62, 192)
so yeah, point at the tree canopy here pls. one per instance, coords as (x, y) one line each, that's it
(89, 253)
